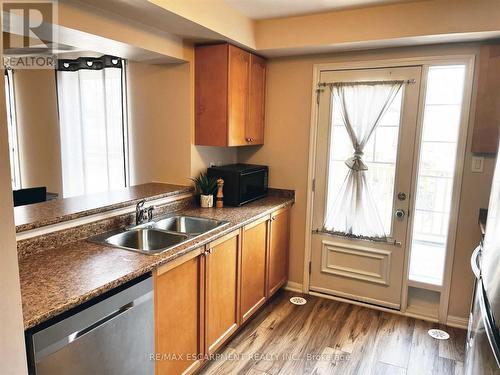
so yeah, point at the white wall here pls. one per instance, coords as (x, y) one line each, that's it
(159, 123)
(38, 129)
(12, 350)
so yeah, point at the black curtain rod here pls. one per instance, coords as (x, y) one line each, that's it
(89, 63)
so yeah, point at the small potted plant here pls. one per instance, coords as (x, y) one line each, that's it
(205, 186)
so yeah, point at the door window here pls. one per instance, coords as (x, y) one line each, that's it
(380, 156)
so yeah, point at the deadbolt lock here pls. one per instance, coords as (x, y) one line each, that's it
(400, 214)
(401, 196)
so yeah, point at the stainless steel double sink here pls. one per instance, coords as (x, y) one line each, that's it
(159, 235)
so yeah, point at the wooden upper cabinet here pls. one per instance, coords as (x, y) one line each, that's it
(178, 316)
(238, 104)
(278, 250)
(254, 130)
(229, 96)
(221, 290)
(253, 267)
(487, 120)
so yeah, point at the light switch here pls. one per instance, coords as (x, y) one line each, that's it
(477, 164)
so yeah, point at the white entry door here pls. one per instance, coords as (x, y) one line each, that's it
(363, 261)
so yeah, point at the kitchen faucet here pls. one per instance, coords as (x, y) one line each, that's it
(143, 215)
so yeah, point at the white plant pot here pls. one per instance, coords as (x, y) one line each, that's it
(206, 201)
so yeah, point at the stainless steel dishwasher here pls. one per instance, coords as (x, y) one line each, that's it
(112, 335)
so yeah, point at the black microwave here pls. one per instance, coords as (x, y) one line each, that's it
(243, 183)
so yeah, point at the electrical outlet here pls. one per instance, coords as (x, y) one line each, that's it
(477, 164)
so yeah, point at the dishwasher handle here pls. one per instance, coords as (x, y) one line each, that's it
(76, 335)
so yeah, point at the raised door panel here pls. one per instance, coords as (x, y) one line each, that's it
(239, 67)
(278, 249)
(211, 95)
(221, 303)
(178, 297)
(487, 121)
(253, 267)
(254, 132)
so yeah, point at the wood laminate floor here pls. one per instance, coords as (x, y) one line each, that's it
(329, 337)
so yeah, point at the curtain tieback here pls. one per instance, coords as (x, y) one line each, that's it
(356, 162)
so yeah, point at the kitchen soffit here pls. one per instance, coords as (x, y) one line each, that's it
(264, 9)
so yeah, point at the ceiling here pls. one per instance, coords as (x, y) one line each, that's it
(263, 9)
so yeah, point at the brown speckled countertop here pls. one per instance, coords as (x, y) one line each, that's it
(55, 280)
(58, 210)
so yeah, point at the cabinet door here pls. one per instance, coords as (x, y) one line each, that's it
(278, 250)
(211, 84)
(253, 267)
(221, 293)
(487, 121)
(178, 301)
(254, 131)
(239, 67)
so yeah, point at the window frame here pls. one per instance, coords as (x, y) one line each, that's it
(12, 128)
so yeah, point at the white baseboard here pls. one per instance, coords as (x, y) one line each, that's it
(457, 322)
(452, 321)
(293, 287)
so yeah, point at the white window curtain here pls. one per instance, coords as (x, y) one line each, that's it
(91, 126)
(361, 105)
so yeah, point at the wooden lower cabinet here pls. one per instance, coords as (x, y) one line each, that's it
(178, 316)
(279, 234)
(202, 298)
(221, 290)
(253, 266)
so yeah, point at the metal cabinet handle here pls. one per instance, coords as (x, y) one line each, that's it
(273, 218)
(208, 252)
(474, 262)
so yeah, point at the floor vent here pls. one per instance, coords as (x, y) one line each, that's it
(298, 301)
(438, 334)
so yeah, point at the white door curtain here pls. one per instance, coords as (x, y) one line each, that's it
(353, 211)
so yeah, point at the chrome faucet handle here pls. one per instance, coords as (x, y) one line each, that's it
(150, 211)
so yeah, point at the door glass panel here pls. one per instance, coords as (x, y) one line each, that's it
(380, 155)
(436, 168)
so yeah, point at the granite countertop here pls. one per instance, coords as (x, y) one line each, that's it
(56, 280)
(58, 210)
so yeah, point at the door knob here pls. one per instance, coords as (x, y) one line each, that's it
(400, 214)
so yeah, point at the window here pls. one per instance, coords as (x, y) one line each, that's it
(15, 173)
(436, 169)
(380, 155)
(90, 98)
